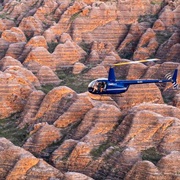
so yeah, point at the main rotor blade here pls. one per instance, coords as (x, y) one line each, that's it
(134, 62)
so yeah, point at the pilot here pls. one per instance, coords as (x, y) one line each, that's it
(99, 87)
(95, 87)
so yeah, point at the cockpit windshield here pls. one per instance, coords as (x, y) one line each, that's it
(97, 86)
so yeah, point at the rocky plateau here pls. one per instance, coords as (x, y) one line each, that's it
(51, 127)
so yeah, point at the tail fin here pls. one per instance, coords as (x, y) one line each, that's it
(174, 79)
(111, 76)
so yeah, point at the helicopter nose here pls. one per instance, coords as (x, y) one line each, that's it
(90, 89)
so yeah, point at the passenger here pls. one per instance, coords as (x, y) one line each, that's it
(95, 87)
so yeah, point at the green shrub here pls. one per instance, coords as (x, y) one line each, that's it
(9, 130)
(151, 154)
(51, 46)
(97, 152)
(147, 18)
(47, 88)
(163, 36)
(77, 82)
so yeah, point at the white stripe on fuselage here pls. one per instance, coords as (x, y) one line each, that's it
(116, 89)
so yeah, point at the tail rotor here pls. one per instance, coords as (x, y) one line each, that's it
(173, 78)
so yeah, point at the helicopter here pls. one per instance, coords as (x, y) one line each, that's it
(112, 86)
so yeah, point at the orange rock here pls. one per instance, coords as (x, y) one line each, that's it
(112, 32)
(44, 171)
(46, 76)
(89, 1)
(38, 57)
(96, 72)
(73, 114)
(31, 26)
(24, 73)
(97, 123)
(69, 12)
(144, 169)
(170, 164)
(64, 37)
(44, 136)
(31, 108)
(25, 163)
(158, 25)
(78, 68)
(128, 45)
(122, 159)
(94, 56)
(4, 46)
(14, 92)
(164, 50)
(80, 158)
(167, 168)
(55, 104)
(141, 53)
(160, 70)
(176, 15)
(152, 125)
(68, 53)
(108, 61)
(2, 25)
(61, 154)
(174, 55)
(46, 12)
(14, 35)
(16, 163)
(37, 41)
(15, 49)
(167, 17)
(8, 61)
(147, 132)
(76, 176)
(176, 100)
(146, 46)
(138, 94)
(136, 71)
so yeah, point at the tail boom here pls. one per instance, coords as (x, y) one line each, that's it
(172, 79)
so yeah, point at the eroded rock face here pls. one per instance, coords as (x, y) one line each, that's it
(22, 72)
(78, 68)
(44, 135)
(46, 76)
(166, 168)
(152, 125)
(64, 54)
(146, 46)
(101, 136)
(62, 51)
(14, 35)
(164, 49)
(22, 164)
(31, 108)
(76, 176)
(137, 94)
(74, 114)
(96, 72)
(38, 57)
(55, 104)
(14, 93)
(8, 61)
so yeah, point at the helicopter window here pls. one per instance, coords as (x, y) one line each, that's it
(99, 86)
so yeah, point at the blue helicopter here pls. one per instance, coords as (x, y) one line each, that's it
(112, 86)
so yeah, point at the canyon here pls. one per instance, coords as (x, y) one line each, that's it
(51, 127)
